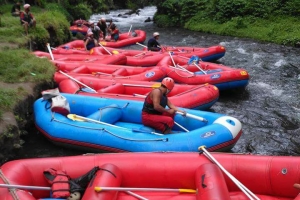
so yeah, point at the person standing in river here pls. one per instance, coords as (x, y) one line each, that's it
(153, 44)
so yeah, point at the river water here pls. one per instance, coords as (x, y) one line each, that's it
(268, 108)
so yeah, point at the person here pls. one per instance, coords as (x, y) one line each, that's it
(27, 18)
(153, 44)
(95, 30)
(103, 27)
(154, 112)
(90, 41)
(15, 10)
(114, 32)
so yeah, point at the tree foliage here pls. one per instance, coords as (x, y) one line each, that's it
(179, 11)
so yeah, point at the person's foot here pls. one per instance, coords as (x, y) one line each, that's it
(167, 131)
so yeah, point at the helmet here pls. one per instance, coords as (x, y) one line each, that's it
(168, 82)
(26, 6)
(103, 19)
(155, 34)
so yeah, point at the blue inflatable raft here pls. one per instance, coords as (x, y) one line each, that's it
(114, 125)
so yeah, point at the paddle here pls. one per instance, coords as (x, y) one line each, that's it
(181, 127)
(172, 59)
(100, 189)
(24, 187)
(129, 30)
(49, 49)
(75, 117)
(192, 116)
(141, 45)
(184, 69)
(105, 48)
(140, 54)
(136, 195)
(195, 60)
(247, 192)
(78, 81)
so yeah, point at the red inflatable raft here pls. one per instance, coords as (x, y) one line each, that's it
(138, 74)
(126, 39)
(157, 176)
(224, 77)
(150, 58)
(187, 96)
(78, 28)
(104, 59)
(93, 68)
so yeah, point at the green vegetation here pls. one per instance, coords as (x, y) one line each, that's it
(273, 21)
(17, 64)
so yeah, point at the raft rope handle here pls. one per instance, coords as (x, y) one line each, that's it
(179, 74)
(103, 129)
(158, 139)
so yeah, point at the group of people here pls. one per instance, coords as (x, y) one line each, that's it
(98, 31)
(26, 17)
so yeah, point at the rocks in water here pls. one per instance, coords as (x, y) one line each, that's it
(148, 19)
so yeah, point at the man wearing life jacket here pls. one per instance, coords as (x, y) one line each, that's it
(27, 18)
(90, 42)
(154, 113)
(153, 44)
(95, 30)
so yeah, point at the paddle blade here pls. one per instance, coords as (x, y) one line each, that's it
(75, 118)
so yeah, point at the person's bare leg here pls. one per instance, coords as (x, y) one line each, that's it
(33, 23)
(26, 28)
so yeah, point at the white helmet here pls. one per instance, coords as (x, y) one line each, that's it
(26, 6)
(155, 34)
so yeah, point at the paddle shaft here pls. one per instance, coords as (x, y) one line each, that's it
(105, 49)
(129, 30)
(193, 116)
(49, 49)
(24, 187)
(199, 68)
(247, 192)
(77, 81)
(141, 44)
(99, 189)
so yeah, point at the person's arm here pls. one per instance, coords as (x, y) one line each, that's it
(22, 18)
(32, 17)
(157, 43)
(86, 42)
(96, 43)
(156, 96)
(171, 106)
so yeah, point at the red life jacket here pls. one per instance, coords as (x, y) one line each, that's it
(59, 181)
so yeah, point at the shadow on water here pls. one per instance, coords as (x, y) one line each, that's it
(268, 107)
